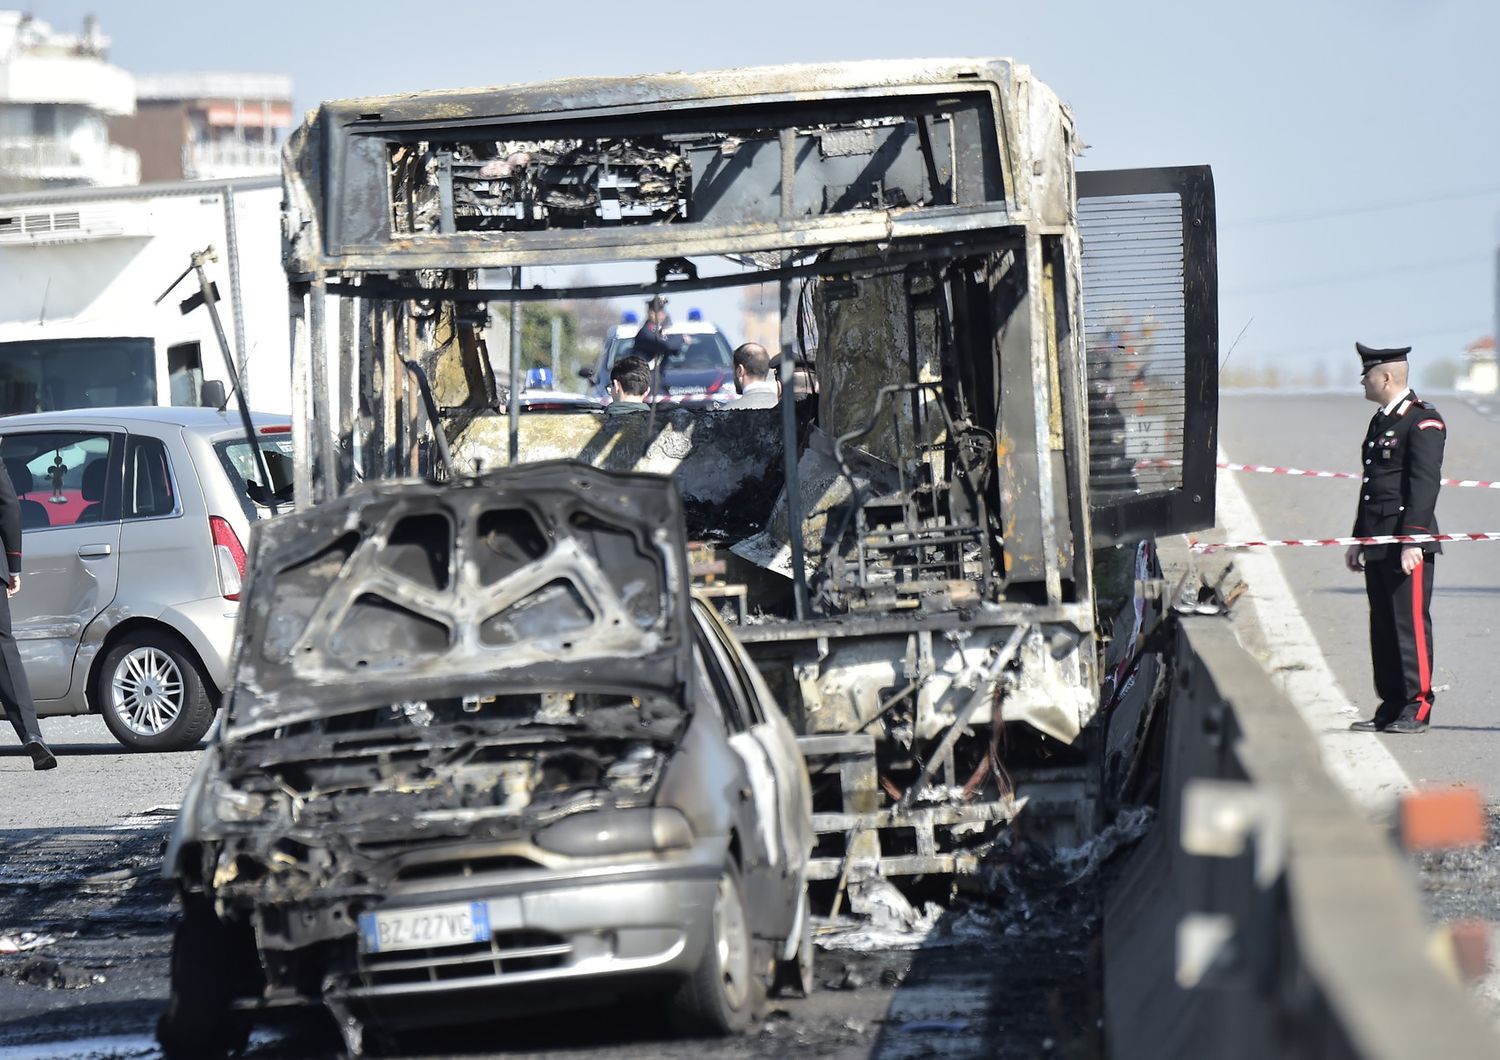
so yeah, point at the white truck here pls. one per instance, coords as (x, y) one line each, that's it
(83, 323)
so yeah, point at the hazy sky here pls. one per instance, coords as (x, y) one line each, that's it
(1353, 142)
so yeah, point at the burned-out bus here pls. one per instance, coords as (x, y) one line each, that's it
(1015, 370)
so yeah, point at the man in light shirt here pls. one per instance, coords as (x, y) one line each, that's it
(752, 378)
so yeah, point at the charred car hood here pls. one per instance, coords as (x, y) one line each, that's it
(552, 574)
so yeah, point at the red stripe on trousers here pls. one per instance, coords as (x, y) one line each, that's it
(1419, 625)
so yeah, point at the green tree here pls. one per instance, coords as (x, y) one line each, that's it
(536, 340)
(1441, 375)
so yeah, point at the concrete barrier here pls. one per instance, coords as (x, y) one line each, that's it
(1265, 916)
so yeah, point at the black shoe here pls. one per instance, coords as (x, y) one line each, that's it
(1406, 726)
(41, 757)
(1369, 725)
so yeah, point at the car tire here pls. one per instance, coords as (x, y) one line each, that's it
(794, 977)
(726, 992)
(206, 956)
(153, 693)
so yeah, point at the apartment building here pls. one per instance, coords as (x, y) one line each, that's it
(58, 93)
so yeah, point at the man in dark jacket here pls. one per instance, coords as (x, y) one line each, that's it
(651, 342)
(15, 693)
(629, 381)
(1402, 461)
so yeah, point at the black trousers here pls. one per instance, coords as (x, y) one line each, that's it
(15, 692)
(1401, 635)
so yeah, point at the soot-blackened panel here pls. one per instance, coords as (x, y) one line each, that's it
(635, 573)
(510, 539)
(377, 633)
(420, 549)
(555, 610)
(299, 590)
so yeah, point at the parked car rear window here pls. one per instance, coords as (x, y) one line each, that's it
(241, 467)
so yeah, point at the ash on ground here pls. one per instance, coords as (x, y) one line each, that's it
(1464, 884)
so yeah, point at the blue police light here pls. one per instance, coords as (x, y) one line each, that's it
(695, 314)
(539, 379)
(629, 317)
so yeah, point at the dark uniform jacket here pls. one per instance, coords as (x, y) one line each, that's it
(1401, 460)
(10, 526)
(650, 344)
(625, 407)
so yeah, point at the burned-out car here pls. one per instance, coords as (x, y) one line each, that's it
(482, 740)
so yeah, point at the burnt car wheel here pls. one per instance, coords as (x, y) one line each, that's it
(153, 694)
(724, 994)
(795, 976)
(207, 955)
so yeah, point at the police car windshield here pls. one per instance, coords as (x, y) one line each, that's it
(689, 351)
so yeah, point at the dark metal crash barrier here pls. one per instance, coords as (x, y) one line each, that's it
(1265, 915)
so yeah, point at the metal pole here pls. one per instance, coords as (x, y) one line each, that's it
(324, 476)
(556, 350)
(232, 241)
(213, 314)
(515, 370)
(789, 452)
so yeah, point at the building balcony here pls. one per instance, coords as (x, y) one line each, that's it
(104, 165)
(225, 159)
(80, 80)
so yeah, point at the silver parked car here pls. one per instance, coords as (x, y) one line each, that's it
(483, 751)
(134, 524)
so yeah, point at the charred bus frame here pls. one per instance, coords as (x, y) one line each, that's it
(926, 572)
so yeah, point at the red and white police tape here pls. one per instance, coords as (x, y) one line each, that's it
(1267, 469)
(1316, 542)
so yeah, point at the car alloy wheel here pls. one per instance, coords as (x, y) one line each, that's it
(732, 943)
(152, 692)
(147, 691)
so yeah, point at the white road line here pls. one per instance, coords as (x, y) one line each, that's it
(1358, 761)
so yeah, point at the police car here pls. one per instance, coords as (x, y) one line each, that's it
(699, 373)
(538, 394)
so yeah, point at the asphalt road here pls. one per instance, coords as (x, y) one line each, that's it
(86, 926)
(91, 925)
(1323, 432)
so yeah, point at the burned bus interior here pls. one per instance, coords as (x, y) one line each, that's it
(1014, 366)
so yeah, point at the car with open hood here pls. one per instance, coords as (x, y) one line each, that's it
(482, 741)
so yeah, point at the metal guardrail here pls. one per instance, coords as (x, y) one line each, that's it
(1265, 915)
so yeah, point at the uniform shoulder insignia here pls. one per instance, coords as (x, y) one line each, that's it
(1429, 406)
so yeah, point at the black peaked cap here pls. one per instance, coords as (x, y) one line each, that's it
(1371, 356)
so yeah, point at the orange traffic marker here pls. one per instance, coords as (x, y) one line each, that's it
(1442, 819)
(1471, 947)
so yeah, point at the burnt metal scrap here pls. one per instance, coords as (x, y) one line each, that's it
(516, 185)
(339, 809)
(564, 573)
(910, 550)
(487, 698)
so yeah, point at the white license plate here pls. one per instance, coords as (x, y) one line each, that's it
(420, 929)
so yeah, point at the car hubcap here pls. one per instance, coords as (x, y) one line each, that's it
(147, 691)
(733, 943)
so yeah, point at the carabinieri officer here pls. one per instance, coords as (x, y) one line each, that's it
(1402, 461)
